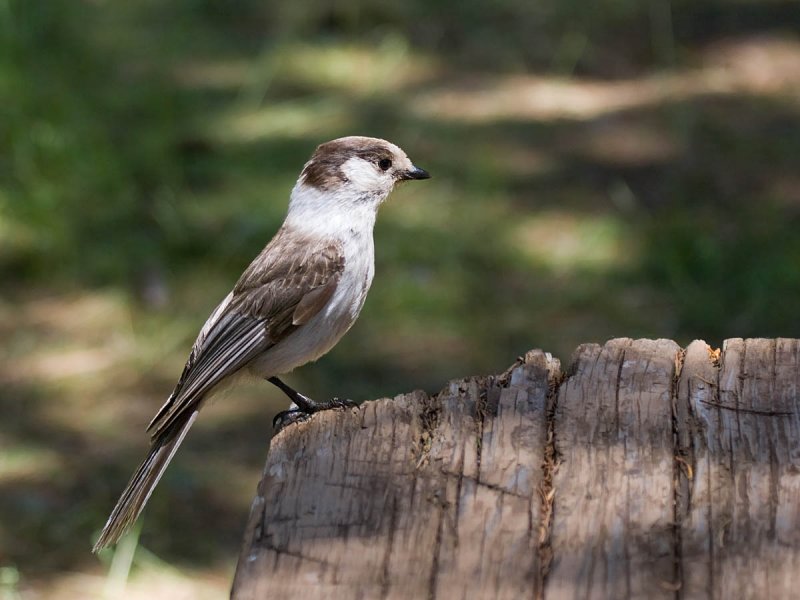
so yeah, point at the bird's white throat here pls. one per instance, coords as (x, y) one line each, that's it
(335, 214)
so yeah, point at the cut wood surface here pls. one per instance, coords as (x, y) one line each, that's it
(646, 470)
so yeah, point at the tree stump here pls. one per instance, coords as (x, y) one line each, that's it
(645, 471)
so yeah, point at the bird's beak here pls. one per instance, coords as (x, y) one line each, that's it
(414, 173)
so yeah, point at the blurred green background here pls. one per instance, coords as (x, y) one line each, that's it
(613, 168)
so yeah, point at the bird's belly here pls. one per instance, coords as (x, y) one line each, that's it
(317, 336)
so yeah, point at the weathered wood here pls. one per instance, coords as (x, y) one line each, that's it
(414, 497)
(649, 471)
(612, 533)
(740, 537)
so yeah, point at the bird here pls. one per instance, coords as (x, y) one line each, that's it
(291, 305)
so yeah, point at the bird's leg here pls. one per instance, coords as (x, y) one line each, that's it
(305, 405)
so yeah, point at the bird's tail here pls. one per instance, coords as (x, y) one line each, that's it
(144, 480)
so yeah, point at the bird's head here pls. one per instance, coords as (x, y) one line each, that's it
(364, 168)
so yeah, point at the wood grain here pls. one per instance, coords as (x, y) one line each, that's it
(416, 497)
(741, 532)
(612, 533)
(646, 471)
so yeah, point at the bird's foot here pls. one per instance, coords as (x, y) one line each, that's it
(288, 417)
(302, 406)
(304, 411)
(309, 406)
(334, 403)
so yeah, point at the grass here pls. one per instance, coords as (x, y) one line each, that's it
(630, 175)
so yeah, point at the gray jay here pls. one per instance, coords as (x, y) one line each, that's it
(290, 306)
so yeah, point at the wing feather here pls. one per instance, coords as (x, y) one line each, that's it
(313, 302)
(288, 283)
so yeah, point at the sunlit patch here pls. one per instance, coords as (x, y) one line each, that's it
(389, 66)
(80, 361)
(763, 64)
(68, 314)
(349, 70)
(80, 336)
(567, 242)
(318, 118)
(151, 579)
(548, 98)
(23, 461)
(353, 69)
(61, 364)
(756, 66)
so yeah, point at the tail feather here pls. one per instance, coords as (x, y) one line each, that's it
(141, 486)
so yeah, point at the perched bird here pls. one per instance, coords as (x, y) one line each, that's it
(290, 306)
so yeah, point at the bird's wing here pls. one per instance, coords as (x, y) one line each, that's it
(291, 280)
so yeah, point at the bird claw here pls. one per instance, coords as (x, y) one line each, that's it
(297, 415)
(337, 403)
(288, 417)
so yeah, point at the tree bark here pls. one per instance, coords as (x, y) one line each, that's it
(645, 471)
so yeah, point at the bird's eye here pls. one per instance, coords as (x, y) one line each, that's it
(384, 164)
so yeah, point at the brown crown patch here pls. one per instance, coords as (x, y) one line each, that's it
(324, 170)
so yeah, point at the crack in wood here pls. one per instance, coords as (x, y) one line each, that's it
(386, 579)
(753, 411)
(435, 555)
(460, 477)
(547, 491)
(285, 552)
(681, 497)
(480, 419)
(429, 415)
(616, 389)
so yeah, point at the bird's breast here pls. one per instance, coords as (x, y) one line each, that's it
(326, 328)
(354, 283)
